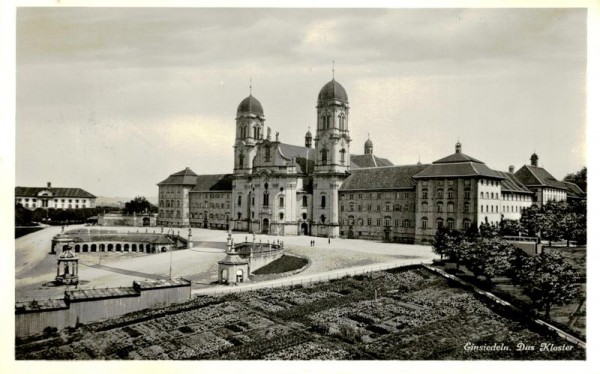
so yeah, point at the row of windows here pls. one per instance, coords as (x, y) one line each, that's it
(449, 223)
(378, 195)
(488, 195)
(387, 222)
(34, 200)
(325, 153)
(62, 205)
(387, 207)
(449, 207)
(170, 203)
(326, 122)
(513, 209)
(440, 194)
(209, 216)
(206, 205)
(516, 197)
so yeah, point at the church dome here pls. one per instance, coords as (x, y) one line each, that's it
(332, 90)
(369, 143)
(250, 105)
(308, 134)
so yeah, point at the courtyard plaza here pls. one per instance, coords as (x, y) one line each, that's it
(35, 267)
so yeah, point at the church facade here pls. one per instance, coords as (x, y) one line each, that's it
(321, 189)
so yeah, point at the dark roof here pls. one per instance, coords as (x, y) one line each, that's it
(457, 157)
(100, 293)
(573, 190)
(250, 105)
(40, 305)
(382, 178)
(185, 177)
(233, 259)
(305, 165)
(460, 169)
(82, 237)
(512, 184)
(56, 192)
(160, 283)
(537, 176)
(214, 182)
(368, 161)
(333, 90)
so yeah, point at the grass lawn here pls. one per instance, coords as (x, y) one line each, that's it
(283, 264)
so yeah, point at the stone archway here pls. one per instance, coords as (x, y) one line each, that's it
(239, 275)
(265, 226)
(304, 228)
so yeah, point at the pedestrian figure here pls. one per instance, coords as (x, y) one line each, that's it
(328, 240)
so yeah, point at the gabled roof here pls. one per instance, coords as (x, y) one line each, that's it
(573, 190)
(56, 192)
(512, 184)
(381, 178)
(460, 169)
(184, 177)
(368, 161)
(457, 157)
(300, 153)
(533, 176)
(214, 182)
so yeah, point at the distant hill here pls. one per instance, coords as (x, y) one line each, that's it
(120, 201)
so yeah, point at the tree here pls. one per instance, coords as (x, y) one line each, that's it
(487, 231)
(22, 215)
(579, 178)
(548, 280)
(531, 220)
(139, 205)
(509, 227)
(442, 241)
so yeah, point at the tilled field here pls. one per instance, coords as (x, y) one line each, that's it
(389, 315)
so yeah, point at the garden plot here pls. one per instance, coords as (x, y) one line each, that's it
(388, 315)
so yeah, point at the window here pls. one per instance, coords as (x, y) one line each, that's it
(351, 220)
(450, 208)
(387, 221)
(424, 193)
(440, 207)
(424, 223)
(440, 223)
(239, 203)
(424, 207)
(360, 222)
(341, 208)
(239, 216)
(450, 223)
(352, 207)
(281, 216)
(304, 201)
(466, 224)
(450, 193)
(378, 221)
(387, 207)
(253, 200)
(323, 218)
(256, 132)
(396, 223)
(379, 195)
(369, 207)
(241, 161)
(467, 195)
(267, 153)
(323, 201)
(304, 216)
(266, 198)
(360, 208)
(281, 202)
(342, 156)
(369, 221)
(467, 208)
(406, 223)
(324, 156)
(379, 208)
(440, 193)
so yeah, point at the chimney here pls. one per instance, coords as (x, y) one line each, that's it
(49, 185)
(511, 169)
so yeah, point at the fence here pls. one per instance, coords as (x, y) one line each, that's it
(304, 280)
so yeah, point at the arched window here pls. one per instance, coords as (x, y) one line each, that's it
(424, 223)
(267, 153)
(239, 203)
(450, 223)
(440, 193)
(304, 201)
(450, 208)
(360, 222)
(324, 156)
(351, 220)
(440, 207)
(239, 216)
(466, 224)
(256, 132)
(342, 120)
(467, 208)
(243, 131)
(424, 207)
(281, 201)
(323, 218)
(450, 193)
(241, 161)
(387, 221)
(342, 156)
(266, 198)
(281, 216)
(304, 215)
(440, 223)
(323, 201)
(424, 193)
(328, 125)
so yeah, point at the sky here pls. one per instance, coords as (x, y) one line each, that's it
(113, 100)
